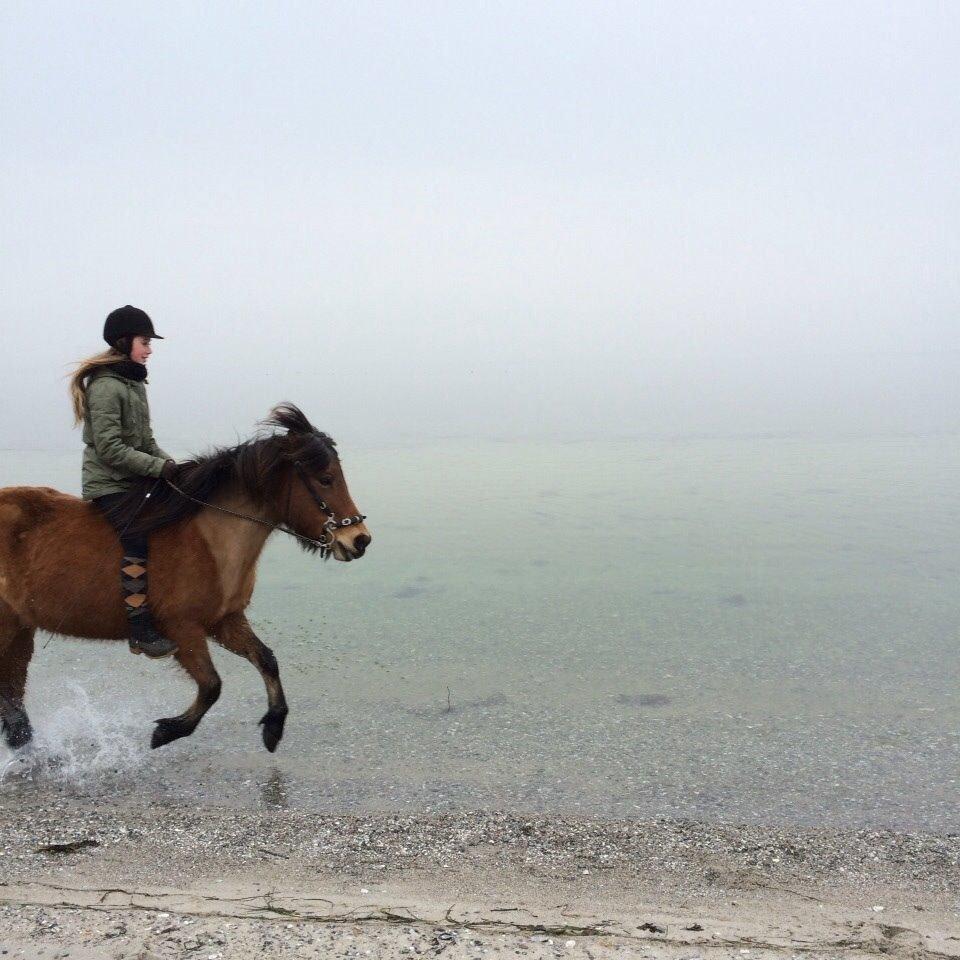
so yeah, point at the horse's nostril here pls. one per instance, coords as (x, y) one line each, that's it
(360, 544)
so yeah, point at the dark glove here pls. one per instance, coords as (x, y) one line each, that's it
(177, 473)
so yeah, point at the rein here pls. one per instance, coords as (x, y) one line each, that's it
(325, 546)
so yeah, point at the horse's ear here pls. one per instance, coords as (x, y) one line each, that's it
(289, 417)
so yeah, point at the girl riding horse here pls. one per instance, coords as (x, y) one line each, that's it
(207, 531)
(110, 400)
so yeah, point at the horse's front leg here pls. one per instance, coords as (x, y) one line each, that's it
(193, 655)
(235, 634)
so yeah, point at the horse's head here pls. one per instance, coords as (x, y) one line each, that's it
(312, 498)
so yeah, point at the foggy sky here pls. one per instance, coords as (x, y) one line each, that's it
(501, 219)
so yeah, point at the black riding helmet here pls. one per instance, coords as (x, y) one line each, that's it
(128, 322)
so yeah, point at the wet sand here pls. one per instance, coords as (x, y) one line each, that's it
(98, 878)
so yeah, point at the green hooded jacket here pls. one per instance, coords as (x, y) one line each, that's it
(119, 442)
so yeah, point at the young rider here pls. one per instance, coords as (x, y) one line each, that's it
(110, 400)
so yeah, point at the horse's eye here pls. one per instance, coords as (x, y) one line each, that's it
(326, 481)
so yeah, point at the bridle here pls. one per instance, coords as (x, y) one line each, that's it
(331, 524)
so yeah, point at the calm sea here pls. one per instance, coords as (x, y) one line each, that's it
(739, 630)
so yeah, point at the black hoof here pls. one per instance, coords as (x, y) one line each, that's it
(17, 729)
(272, 724)
(169, 729)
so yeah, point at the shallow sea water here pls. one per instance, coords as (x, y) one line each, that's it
(755, 630)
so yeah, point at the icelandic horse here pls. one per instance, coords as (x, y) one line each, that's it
(60, 561)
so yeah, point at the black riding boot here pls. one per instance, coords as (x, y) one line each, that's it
(144, 636)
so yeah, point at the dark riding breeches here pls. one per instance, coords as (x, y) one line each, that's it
(133, 568)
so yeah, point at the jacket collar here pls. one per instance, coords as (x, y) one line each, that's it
(128, 370)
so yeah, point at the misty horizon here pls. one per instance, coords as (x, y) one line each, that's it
(561, 222)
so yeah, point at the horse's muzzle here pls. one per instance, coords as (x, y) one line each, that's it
(353, 549)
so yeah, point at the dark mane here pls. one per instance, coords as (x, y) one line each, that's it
(254, 468)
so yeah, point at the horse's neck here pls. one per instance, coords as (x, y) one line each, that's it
(235, 543)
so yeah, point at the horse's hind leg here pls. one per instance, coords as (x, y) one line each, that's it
(235, 634)
(16, 651)
(193, 655)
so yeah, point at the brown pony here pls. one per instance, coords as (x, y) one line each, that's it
(60, 561)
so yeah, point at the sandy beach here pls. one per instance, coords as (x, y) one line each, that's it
(91, 878)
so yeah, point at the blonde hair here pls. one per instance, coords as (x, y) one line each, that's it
(79, 377)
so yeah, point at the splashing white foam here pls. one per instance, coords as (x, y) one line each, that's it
(76, 740)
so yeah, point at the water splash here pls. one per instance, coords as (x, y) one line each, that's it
(77, 741)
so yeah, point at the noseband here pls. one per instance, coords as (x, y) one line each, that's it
(331, 524)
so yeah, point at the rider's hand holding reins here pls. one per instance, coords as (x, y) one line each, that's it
(173, 472)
